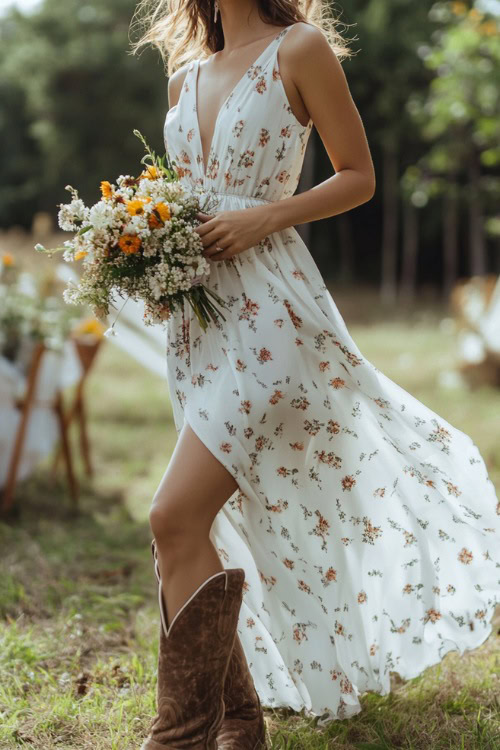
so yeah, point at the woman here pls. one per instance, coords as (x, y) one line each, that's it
(315, 519)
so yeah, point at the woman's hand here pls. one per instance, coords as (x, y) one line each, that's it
(233, 231)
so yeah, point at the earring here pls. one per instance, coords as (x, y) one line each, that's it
(216, 8)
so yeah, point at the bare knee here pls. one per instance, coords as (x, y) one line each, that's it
(177, 533)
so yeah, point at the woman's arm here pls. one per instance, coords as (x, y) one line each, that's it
(312, 66)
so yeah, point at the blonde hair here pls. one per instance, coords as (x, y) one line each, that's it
(184, 30)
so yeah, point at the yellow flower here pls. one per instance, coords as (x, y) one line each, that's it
(459, 8)
(151, 173)
(489, 27)
(80, 254)
(475, 14)
(136, 207)
(160, 215)
(8, 259)
(88, 327)
(130, 243)
(106, 189)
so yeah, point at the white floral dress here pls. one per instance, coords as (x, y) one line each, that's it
(366, 524)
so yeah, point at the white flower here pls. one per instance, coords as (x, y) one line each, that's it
(70, 295)
(27, 285)
(135, 224)
(101, 215)
(175, 208)
(71, 215)
(156, 287)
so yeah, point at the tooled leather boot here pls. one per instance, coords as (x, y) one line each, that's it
(243, 727)
(194, 653)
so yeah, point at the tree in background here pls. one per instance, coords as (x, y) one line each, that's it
(458, 118)
(381, 76)
(71, 96)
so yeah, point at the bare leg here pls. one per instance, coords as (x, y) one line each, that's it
(193, 489)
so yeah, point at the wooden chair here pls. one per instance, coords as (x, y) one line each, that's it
(86, 351)
(25, 405)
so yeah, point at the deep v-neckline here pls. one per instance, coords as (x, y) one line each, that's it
(231, 93)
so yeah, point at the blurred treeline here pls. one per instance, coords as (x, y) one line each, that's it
(426, 81)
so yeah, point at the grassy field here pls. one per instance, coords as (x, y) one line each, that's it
(78, 609)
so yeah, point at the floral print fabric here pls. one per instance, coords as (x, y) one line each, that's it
(366, 524)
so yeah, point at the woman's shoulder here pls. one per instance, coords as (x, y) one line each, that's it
(176, 82)
(304, 37)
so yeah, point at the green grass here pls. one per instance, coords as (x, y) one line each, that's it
(78, 610)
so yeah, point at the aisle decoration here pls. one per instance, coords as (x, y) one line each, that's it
(32, 312)
(45, 347)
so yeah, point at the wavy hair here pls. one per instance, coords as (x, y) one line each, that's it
(184, 30)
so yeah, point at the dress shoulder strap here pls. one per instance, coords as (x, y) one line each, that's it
(282, 34)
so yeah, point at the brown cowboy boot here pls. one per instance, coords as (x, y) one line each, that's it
(243, 726)
(194, 653)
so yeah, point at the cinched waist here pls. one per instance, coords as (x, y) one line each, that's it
(251, 199)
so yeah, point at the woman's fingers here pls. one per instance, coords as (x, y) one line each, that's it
(213, 249)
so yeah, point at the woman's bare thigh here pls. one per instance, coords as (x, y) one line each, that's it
(195, 483)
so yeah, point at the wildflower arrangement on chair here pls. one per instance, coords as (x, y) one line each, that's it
(139, 242)
(31, 312)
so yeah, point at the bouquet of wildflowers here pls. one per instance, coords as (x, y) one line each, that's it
(139, 241)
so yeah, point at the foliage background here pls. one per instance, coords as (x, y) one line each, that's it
(424, 78)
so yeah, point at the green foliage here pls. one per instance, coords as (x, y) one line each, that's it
(425, 80)
(458, 114)
(164, 164)
(72, 95)
(20, 156)
(387, 67)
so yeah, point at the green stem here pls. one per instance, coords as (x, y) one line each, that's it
(48, 251)
(197, 312)
(218, 299)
